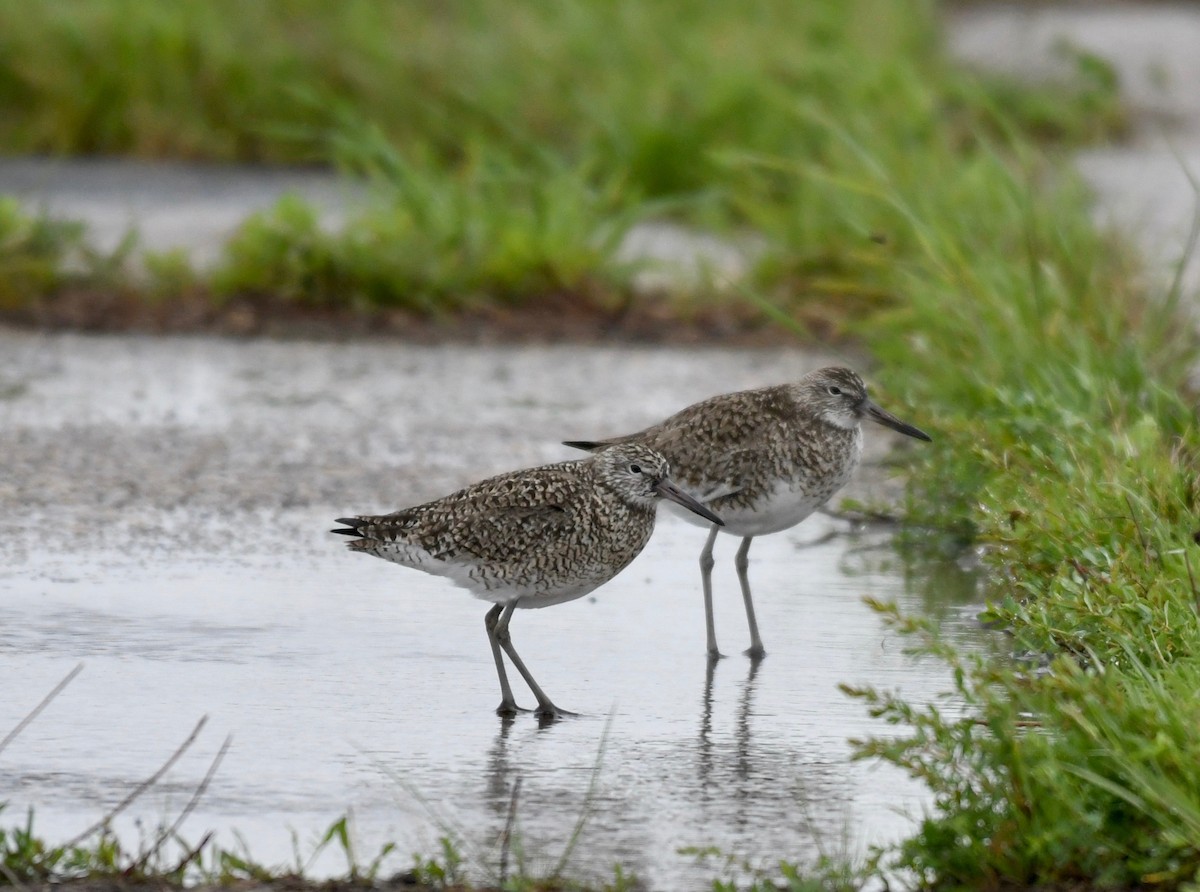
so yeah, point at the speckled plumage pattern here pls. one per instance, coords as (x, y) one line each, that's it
(530, 538)
(764, 459)
(541, 536)
(741, 452)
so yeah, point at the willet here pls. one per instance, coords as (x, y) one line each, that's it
(763, 459)
(531, 538)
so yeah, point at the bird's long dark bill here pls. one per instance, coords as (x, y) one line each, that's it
(887, 419)
(670, 491)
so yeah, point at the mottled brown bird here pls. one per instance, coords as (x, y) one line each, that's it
(531, 538)
(764, 460)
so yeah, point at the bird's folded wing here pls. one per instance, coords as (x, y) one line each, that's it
(715, 491)
(720, 476)
(504, 532)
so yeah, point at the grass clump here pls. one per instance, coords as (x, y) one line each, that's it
(1053, 384)
(172, 862)
(34, 253)
(27, 858)
(438, 241)
(1076, 776)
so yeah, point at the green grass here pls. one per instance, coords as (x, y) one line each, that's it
(509, 148)
(174, 862)
(436, 242)
(557, 153)
(1064, 446)
(650, 89)
(1076, 776)
(26, 860)
(34, 252)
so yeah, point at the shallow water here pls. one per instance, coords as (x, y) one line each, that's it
(169, 507)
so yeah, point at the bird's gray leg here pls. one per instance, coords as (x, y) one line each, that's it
(545, 708)
(706, 566)
(742, 563)
(508, 704)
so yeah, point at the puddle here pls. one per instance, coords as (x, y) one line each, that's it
(349, 684)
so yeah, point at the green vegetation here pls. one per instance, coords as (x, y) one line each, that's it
(509, 148)
(651, 90)
(434, 242)
(26, 859)
(33, 254)
(541, 175)
(1063, 445)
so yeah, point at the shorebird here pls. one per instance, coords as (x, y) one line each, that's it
(763, 459)
(531, 538)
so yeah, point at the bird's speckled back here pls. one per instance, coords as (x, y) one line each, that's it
(544, 535)
(754, 441)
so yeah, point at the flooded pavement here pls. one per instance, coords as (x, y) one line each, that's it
(167, 506)
(1145, 188)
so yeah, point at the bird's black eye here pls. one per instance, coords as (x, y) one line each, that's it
(635, 469)
(835, 390)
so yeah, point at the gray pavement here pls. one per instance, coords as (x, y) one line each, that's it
(1143, 188)
(195, 208)
(171, 205)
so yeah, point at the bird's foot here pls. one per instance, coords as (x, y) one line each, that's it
(509, 708)
(714, 655)
(548, 713)
(755, 652)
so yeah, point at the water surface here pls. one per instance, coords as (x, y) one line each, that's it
(169, 510)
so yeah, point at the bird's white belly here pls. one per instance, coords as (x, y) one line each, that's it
(527, 593)
(783, 508)
(490, 585)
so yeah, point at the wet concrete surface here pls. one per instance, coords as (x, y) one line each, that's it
(166, 506)
(1144, 187)
(170, 205)
(195, 208)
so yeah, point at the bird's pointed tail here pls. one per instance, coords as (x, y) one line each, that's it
(586, 445)
(353, 526)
